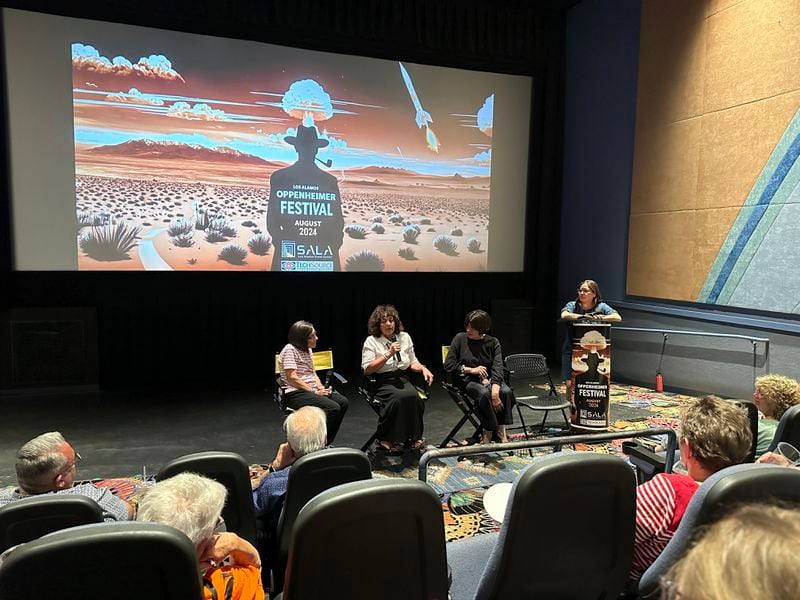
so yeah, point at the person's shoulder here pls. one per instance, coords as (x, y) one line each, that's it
(570, 306)
(404, 335)
(604, 307)
(458, 338)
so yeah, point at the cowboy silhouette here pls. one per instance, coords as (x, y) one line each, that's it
(304, 215)
(592, 360)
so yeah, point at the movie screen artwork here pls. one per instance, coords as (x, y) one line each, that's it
(246, 156)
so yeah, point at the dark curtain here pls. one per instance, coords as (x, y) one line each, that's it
(223, 328)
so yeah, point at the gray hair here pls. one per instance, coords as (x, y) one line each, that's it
(306, 430)
(188, 502)
(39, 461)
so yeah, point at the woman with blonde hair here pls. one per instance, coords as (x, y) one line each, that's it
(773, 396)
(751, 553)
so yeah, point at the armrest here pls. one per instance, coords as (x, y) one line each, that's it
(649, 463)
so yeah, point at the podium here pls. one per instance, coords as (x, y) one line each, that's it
(591, 375)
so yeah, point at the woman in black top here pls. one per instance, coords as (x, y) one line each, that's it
(477, 359)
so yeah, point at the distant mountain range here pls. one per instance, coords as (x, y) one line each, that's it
(145, 148)
(177, 150)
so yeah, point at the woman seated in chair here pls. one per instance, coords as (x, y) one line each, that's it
(388, 356)
(477, 359)
(773, 396)
(192, 504)
(300, 382)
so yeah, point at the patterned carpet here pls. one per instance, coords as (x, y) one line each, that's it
(462, 483)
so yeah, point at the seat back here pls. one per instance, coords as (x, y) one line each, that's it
(315, 473)
(788, 429)
(340, 528)
(527, 366)
(715, 497)
(125, 561)
(566, 512)
(31, 518)
(232, 471)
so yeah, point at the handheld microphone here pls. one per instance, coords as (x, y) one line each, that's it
(392, 340)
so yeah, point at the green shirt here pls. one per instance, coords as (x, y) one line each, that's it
(766, 431)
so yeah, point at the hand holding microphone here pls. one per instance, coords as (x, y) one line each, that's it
(393, 348)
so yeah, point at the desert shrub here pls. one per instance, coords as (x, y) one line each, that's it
(183, 240)
(214, 235)
(410, 234)
(377, 219)
(395, 218)
(356, 231)
(233, 253)
(473, 245)
(431, 229)
(192, 261)
(180, 227)
(259, 244)
(228, 230)
(445, 245)
(407, 253)
(377, 228)
(87, 217)
(109, 242)
(248, 224)
(456, 232)
(425, 222)
(366, 260)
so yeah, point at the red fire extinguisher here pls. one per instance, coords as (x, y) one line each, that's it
(659, 377)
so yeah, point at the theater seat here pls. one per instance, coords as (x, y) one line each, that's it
(232, 471)
(31, 518)
(309, 476)
(567, 533)
(124, 561)
(381, 538)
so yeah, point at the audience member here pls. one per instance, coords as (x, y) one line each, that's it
(774, 394)
(47, 464)
(714, 434)
(193, 504)
(751, 553)
(305, 433)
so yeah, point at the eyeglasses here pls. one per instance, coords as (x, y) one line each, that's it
(72, 465)
(584, 291)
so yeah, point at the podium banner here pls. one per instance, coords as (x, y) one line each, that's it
(591, 375)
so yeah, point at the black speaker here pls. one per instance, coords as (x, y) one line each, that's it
(49, 347)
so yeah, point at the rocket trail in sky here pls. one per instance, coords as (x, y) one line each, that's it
(422, 117)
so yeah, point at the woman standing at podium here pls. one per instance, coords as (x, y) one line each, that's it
(588, 305)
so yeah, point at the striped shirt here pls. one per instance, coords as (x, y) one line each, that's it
(301, 361)
(660, 504)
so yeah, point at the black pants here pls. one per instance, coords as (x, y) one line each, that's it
(335, 406)
(482, 397)
(401, 416)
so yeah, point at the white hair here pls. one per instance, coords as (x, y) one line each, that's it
(39, 461)
(188, 502)
(306, 430)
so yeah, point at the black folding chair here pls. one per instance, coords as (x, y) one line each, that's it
(524, 371)
(464, 403)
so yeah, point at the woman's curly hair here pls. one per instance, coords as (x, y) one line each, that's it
(381, 311)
